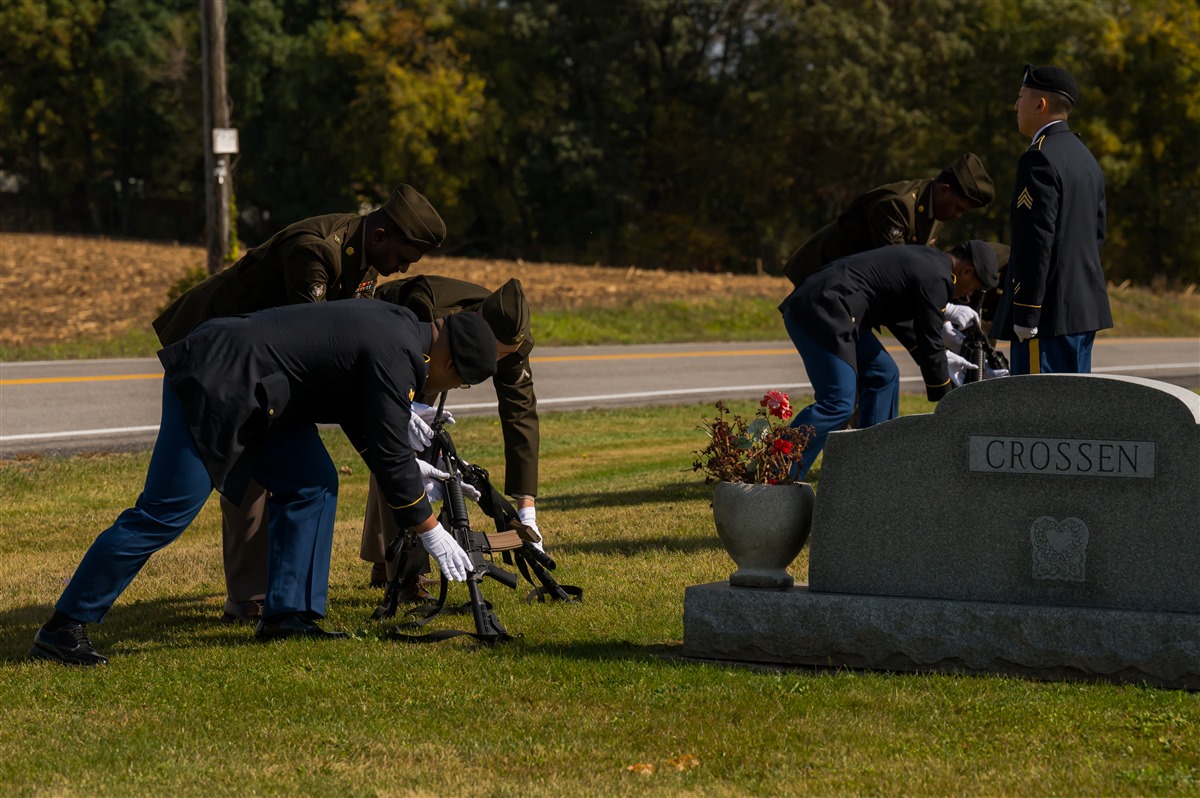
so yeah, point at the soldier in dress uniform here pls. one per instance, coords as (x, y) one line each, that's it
(323, 258)
(829, 317)
(242, 396)
(909, 212)
(507, 312)
(431, 297)
(1055, 294)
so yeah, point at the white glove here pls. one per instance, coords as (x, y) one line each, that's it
(991, 373)
(528, 516)
(451, 558)
(420, 435)
(428, 414)
(952, 338)
(1024, 333)
(959, 366)
(430, 472)
(961, 316)
(432, 477)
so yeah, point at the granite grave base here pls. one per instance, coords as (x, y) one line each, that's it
(802, 627)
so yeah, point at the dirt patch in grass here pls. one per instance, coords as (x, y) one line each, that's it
(63, 288)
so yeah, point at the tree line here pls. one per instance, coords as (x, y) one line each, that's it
(701, 134)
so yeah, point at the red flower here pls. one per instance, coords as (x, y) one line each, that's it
(783, 447)
(777, 404)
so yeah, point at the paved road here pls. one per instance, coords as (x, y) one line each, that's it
(69, 406)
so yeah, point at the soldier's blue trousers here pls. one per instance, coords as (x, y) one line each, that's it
(836, 384)
(303, 482)
(1056, 354)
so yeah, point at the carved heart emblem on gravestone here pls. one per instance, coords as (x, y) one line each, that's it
(1058, 536)
(1059, 548)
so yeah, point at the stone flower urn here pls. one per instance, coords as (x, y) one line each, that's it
(763, 528)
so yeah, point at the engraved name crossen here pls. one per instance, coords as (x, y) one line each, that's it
(1062, 456)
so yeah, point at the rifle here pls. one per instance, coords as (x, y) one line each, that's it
(512, 539)
(979, 350)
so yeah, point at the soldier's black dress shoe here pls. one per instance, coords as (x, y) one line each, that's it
(68, 645)
(293, 625)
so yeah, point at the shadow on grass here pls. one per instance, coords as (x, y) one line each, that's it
(628, 547)
(171, 622)
(677, 492)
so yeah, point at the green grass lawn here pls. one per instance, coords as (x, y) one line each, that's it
(191, 707)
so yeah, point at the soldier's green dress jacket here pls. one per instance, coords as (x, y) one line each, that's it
(313, 260)
(898, 213)
(433, 297)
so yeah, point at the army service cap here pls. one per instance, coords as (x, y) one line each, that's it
(983, 258)
(415, 217)
(507, 313)
(968, 177)
(1053, 79)
(472, 347)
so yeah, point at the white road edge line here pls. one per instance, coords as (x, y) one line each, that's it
(562, 400)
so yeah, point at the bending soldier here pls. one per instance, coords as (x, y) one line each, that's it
(829, 318)
(314, 260)
(242, 396)
(507, 313)
(908, 212)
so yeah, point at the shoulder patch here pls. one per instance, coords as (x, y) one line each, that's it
(317, 291)
(1025, 200)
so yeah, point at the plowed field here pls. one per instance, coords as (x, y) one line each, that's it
(60, 288)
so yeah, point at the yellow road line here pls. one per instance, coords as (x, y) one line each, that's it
(782, 350)
(97, 378)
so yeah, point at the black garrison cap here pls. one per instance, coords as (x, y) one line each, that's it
(1051, 78)
(983, 258)
(472, 347)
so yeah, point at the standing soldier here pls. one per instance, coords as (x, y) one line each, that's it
(314, 260)
(1055, 296)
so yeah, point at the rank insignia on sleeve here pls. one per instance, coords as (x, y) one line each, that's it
(411, 394)
(895, 232)
(1025, 199)
(317, 290)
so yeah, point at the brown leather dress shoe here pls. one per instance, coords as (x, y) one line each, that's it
(242, 612)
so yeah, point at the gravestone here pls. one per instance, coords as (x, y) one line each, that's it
(1045, 525)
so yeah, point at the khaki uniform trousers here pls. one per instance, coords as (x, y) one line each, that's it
(245, 543)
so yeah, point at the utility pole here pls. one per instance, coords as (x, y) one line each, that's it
(220, 141)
